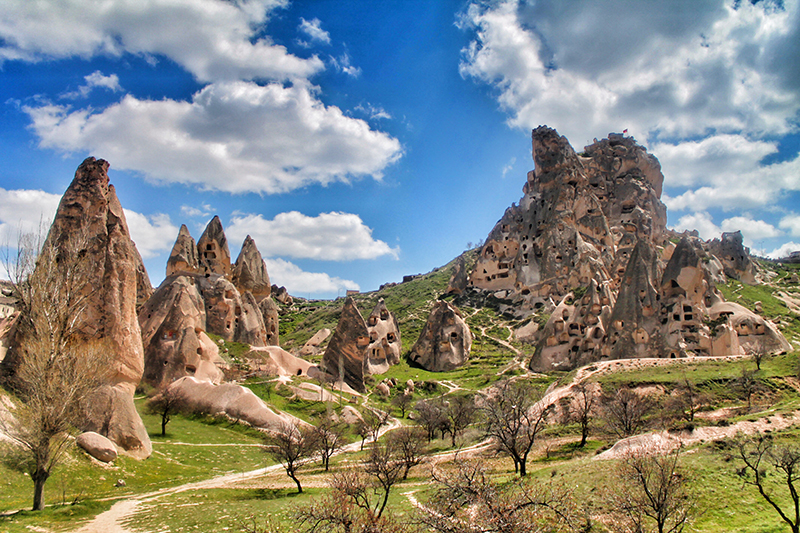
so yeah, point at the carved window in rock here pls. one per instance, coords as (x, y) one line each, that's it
(372, 321)
(384, 314)
(373, 336)
(362, 340)
(390, 337)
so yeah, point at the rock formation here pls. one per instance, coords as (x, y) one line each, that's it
(200, 295)
(173, 326)
(344, 357)
(588, 243)
(312, 345)
(212, 250)
(361, 348)
(183, 258)
(270, 315)
(384, 340)
(90, 209)
(445, 341)
(735, 257)
(232, 400)
(250, 272)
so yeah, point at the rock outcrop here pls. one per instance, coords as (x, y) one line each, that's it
(588, 243)
(735, 257)
(345, 355)
(212, 250)
(90, 212)
(361, 348)
(200, 296)
(445, 341)
(250, 272)
(231, 400)
(384, 340)
(183, 258)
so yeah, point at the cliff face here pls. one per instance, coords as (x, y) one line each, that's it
(588, 243)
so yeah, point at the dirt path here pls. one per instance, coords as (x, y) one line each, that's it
(665, 441)
(112, 521)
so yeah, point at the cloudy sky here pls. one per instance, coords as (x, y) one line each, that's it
(361, 141)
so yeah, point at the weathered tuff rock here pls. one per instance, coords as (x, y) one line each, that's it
(90, 207)
(183, 258)
(232, 400)
(735, 257)
(97, 446)
(384, 340)
(312, 345)
(213, 254)
(360, 347)
(445, 341)
(590, 233)
(173, 326)
(269, 313)
(198, 297)
(250, 272)
(344, 357)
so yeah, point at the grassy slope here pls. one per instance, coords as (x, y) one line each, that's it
(727, 505)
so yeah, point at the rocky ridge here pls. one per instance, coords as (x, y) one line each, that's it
(588, 244)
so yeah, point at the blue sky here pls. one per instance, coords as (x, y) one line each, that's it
(361, 141)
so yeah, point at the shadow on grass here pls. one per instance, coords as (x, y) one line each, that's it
(267, 494)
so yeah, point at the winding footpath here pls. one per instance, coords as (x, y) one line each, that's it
(113, 520)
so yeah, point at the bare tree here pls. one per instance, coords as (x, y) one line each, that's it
(165, 404)
(53, 369)
(385, 466)
(580, 409)
(625, 411)
(468, 500)
(409, 445)
(291, 445)
(514, 417)
(337, 512)
(748, 384)
(460, 413)
(431, 416)
(760, 455)
(652, 492)
(684, 402)
(330, 438)
(403, 402)
(375, 419)
(759, 352)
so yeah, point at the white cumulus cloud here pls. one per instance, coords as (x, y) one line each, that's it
(25, 211)
(233, 136)
(301, 283)
(328, 236)
(791, 223)
(588, 68)
(152, 234)
(784, 250)
(313, 30)
(213, 39)
(32, 211)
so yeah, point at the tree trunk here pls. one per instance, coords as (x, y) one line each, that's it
(164, 426)
(584, 435)
(39, 479)
(299, 488)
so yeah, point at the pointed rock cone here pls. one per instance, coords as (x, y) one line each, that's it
(250, 272)
(212, 250)
(344, 356)
(183, 258)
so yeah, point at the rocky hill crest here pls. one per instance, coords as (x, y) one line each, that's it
(588, 244)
